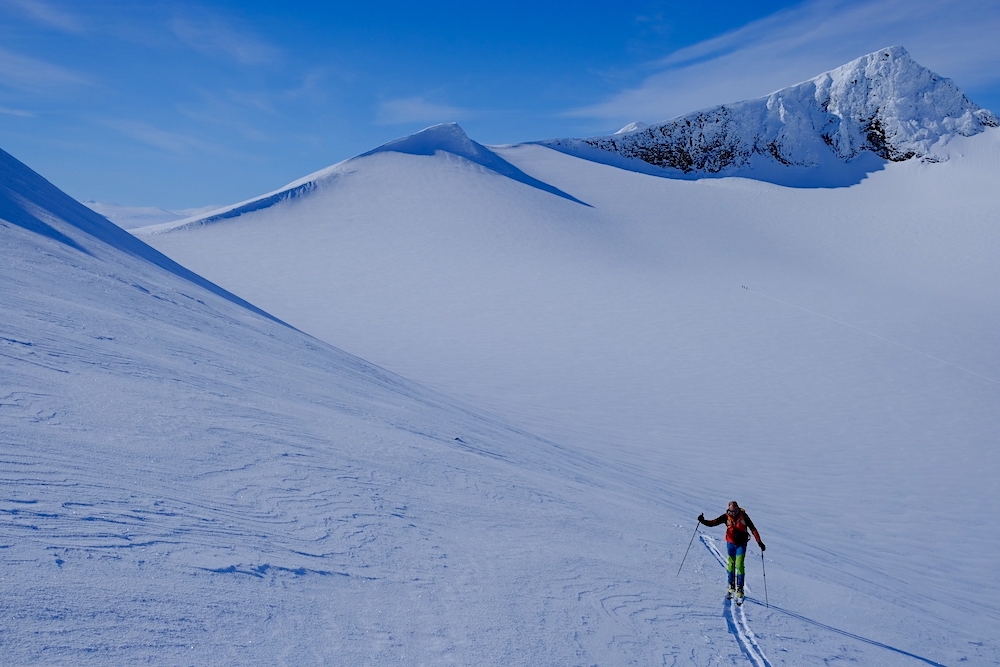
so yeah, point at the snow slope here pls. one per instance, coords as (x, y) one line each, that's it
(883, 103)
(848, 397)
(188, 481)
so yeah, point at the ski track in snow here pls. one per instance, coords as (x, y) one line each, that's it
(745, 637)
(736, 617)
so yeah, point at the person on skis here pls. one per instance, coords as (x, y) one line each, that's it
(737, 524)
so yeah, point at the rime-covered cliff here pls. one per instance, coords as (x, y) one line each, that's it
(885, 103)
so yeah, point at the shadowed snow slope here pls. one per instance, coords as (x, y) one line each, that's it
(849, 397)
(883, 104)
(186, 481)
(32, 203)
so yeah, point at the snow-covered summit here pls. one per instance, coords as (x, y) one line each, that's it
(633, 127)
(444, 139)
(450, 138)
(885, 103)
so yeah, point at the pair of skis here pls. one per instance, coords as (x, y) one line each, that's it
(729, 594)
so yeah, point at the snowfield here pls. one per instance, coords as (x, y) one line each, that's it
(594, 356)
(848, 398)
(187, 481)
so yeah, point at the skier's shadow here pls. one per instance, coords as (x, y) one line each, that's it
(845, 633)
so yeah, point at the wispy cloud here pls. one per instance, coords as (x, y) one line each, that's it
(174, 142)
(27, 73)
(216, 37)
(16, 112)
(45, 14)
(957, 38)
(177, 142)
(269, 101)
(417, 110)
(246, 112)
(222, 114)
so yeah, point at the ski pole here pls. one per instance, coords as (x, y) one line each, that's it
(688, 549)
(765, 579)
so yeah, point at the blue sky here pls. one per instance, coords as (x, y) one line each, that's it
(184, 104)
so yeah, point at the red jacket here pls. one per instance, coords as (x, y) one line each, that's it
(736, 527)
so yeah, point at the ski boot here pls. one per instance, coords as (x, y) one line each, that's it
(739, 595)
(730, 592)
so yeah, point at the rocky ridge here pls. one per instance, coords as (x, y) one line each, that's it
(884, 102)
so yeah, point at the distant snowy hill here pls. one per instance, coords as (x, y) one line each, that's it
(130, 217)
(884, 103)
(447, 139)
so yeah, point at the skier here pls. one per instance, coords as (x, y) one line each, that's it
(737, 522)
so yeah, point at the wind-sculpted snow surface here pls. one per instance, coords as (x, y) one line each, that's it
(884, 103)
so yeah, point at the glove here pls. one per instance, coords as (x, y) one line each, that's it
(701, 518)
(762, 547)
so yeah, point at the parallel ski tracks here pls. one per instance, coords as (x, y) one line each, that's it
(736, 617)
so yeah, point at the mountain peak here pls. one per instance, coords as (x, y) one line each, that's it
(889, 104)
(632, 127)
(450, 138)
(883, 103)
(447, 137)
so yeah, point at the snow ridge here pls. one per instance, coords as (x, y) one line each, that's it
(884, 103)
(450, 138)
(29, 201)
(443, 138)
